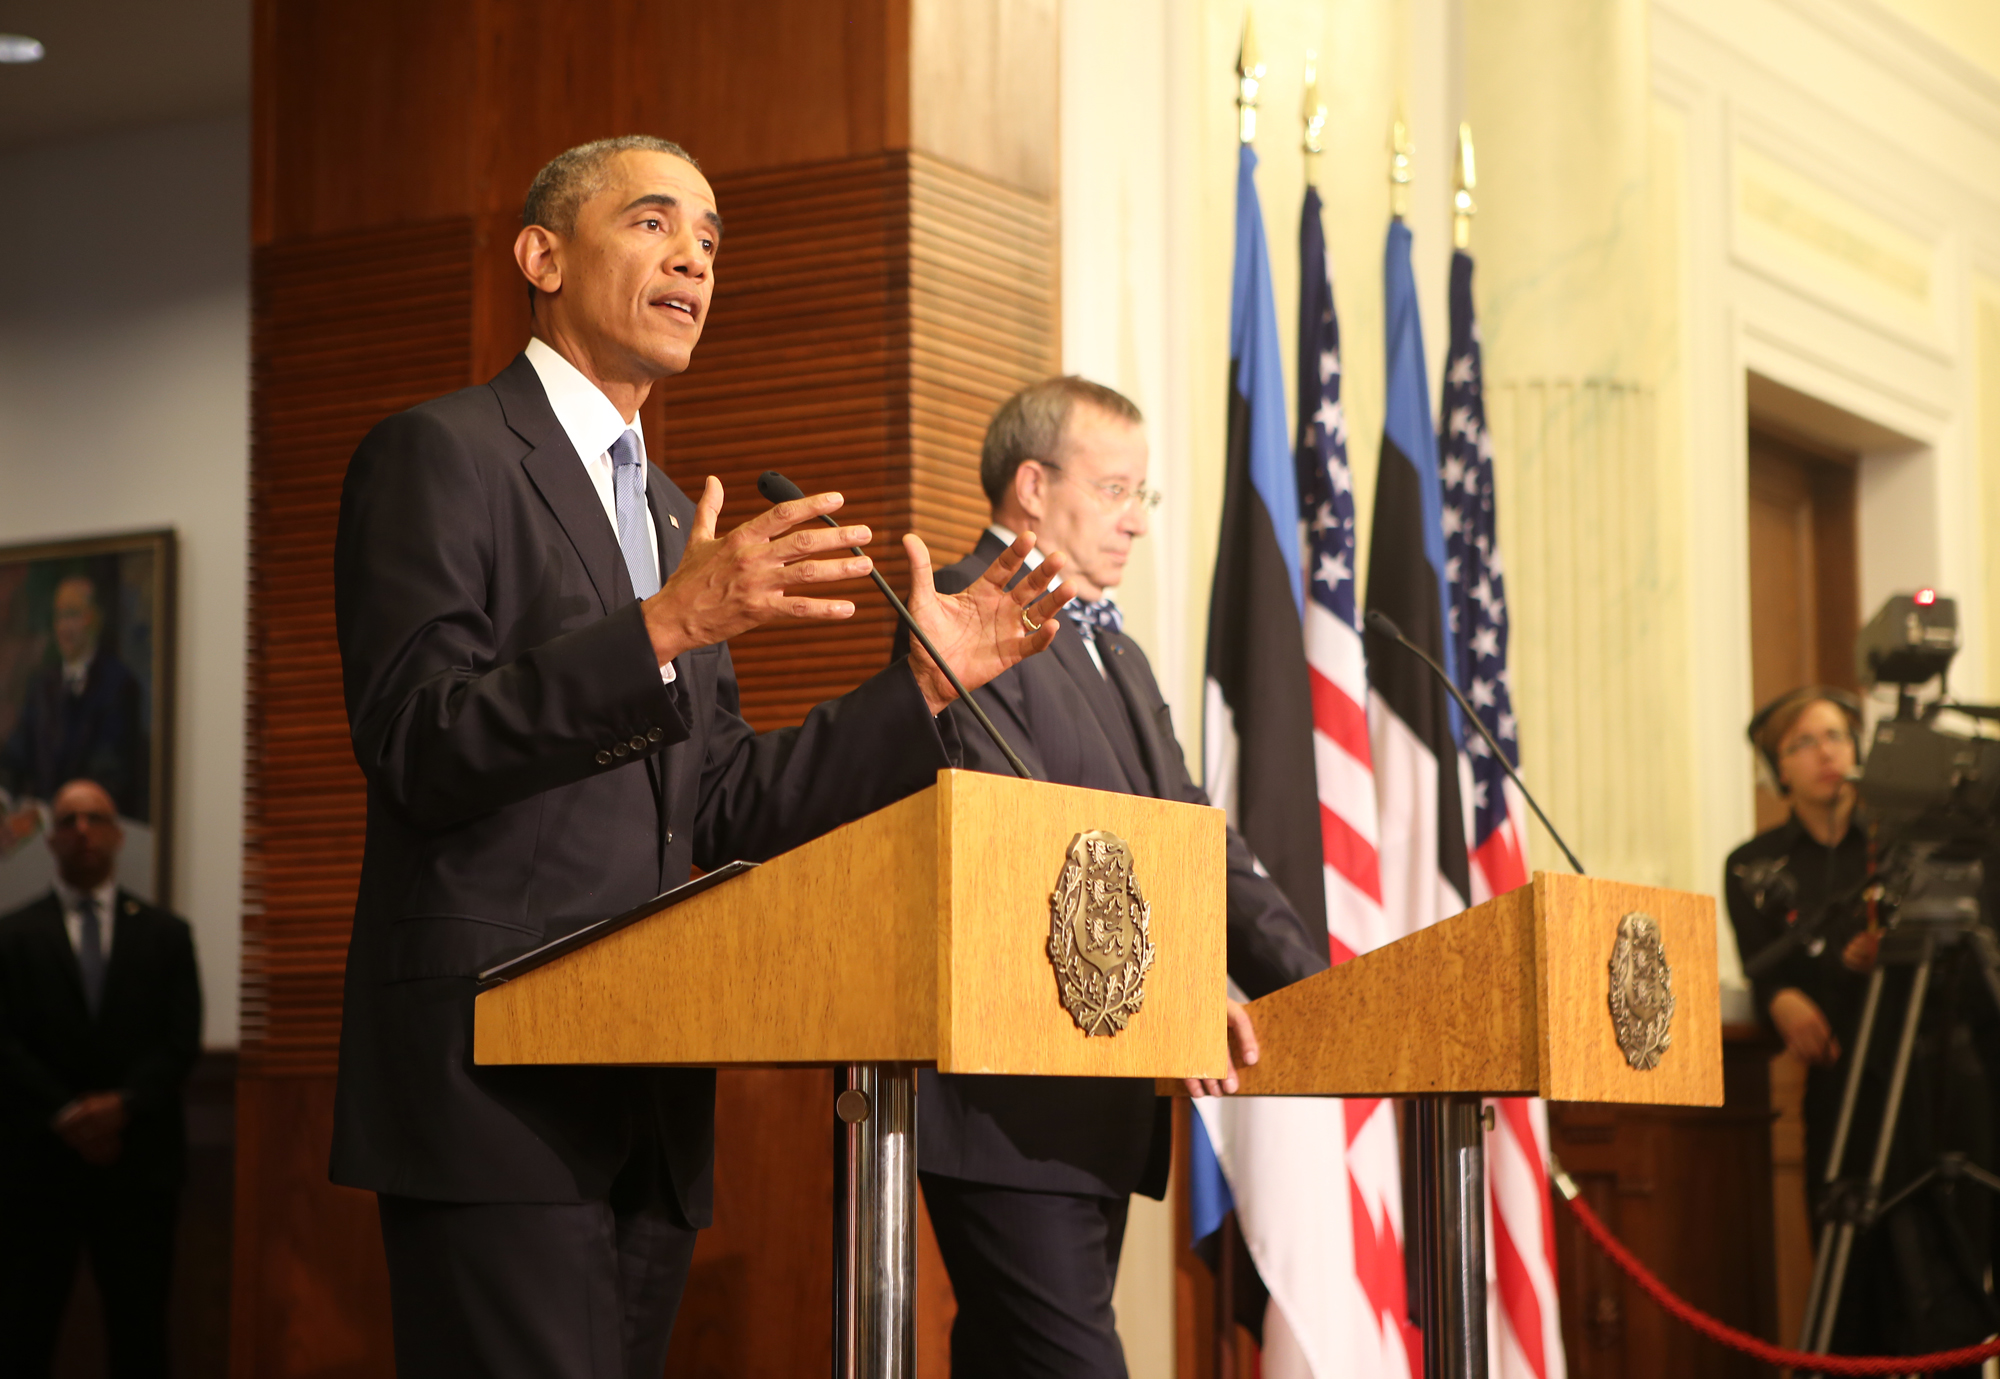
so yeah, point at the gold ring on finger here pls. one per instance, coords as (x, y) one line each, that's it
(1029, 622)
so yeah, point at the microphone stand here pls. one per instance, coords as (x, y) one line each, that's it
(1381, 622)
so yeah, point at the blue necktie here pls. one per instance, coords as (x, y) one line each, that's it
(1092, 618)
(628, 485)
(90, 954)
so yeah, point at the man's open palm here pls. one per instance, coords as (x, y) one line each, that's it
(987, 628)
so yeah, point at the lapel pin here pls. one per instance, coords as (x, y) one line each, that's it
(673, 519)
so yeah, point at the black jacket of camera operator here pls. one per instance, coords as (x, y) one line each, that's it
(1783, 881)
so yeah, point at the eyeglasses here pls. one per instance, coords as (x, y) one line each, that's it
(1117, 494)
(1833, 739)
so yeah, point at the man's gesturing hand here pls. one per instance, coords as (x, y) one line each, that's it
(731, 584)
(988, 627)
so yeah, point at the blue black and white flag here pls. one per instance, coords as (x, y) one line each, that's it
(1412, 722)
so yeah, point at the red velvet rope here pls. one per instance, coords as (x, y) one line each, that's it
(1805, 1362)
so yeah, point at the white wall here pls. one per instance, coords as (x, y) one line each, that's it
(1836, 170)
(124, 405)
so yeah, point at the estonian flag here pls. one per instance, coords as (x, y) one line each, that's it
(1257, 725)
(1411, 720)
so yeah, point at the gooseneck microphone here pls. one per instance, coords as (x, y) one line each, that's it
(1382, 623)
(776, 488)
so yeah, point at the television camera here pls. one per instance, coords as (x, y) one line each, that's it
(1931, 796)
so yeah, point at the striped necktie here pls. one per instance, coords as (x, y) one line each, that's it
(628, 483)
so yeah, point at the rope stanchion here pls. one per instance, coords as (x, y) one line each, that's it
(1804, 1361)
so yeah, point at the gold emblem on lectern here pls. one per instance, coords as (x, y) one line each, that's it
(1099, 939)
(1642, 992)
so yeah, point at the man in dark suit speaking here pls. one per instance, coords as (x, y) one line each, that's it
(532, 623)
(1028, 1179)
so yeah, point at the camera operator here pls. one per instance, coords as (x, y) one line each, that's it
(1916, 1281)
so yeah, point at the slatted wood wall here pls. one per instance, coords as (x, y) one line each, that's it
(869, 316)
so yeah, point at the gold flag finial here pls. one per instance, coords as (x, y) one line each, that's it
(1313, 112)
(1462, 207)
(1249, 77)
(1400, 149)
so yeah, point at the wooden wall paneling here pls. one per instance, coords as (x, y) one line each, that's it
(1689, 1190)
(311, 1291)
(346, 330)
(328, 166)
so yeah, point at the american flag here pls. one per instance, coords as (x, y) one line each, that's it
(1339, 673)
(1526, 1336)
(1344, 766)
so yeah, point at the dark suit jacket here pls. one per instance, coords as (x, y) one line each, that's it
(143, 1042)
(1113, 731)
(528, 773)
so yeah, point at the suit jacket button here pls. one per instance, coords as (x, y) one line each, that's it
(604, 758)
(638, 744)
(654, 735)
(619, 749)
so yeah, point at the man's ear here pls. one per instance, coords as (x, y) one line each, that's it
(1031, 485)
(537, 249)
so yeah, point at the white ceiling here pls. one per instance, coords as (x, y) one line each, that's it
(114, 64)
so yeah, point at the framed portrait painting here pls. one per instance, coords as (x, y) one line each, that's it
(86, 691)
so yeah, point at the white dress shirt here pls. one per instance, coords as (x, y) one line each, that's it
(1008, 538)
(72, 899)
(593, 426)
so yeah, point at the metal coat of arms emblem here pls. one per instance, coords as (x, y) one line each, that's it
(1099, 934)
(1642, 992)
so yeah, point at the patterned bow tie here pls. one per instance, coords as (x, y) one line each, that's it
(1092, 618)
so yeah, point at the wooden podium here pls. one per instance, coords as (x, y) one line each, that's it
(918, 935)
(921, 935)
(1514, 997)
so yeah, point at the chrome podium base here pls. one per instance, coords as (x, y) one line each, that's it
(875, 1221)
(1448, 1233)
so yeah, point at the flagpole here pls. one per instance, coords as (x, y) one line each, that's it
(1462, 209)
(1400, 149)
(1446, 1148)
(1249, 77)
(1313, 113)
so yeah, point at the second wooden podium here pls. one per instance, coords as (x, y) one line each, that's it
(985, 925)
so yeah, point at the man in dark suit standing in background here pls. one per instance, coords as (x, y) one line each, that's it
(532, 625)
(100, 1022)
(1028, 1179)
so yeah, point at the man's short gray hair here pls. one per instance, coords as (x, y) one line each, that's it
(575, 175)
(1029, 426)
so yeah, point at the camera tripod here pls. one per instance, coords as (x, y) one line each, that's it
(1940, 912)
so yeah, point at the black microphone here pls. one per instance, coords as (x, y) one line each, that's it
(1380, 622)
(776, 488)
